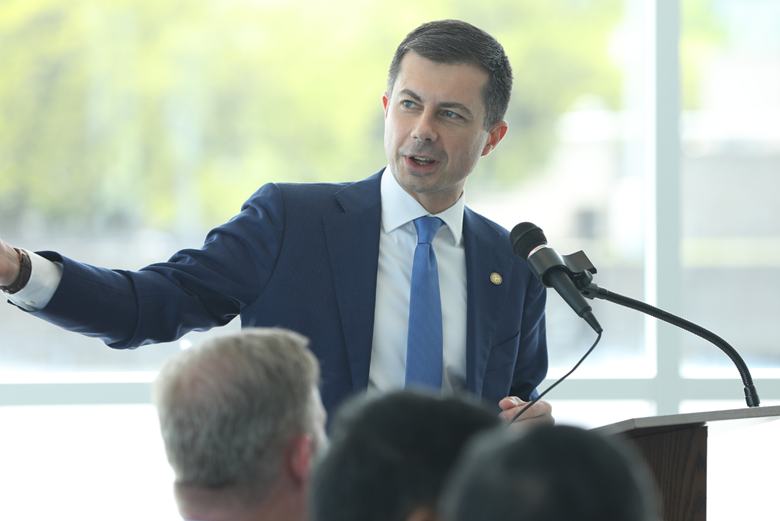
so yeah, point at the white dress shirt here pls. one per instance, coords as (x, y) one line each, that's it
(44, 279)
(397, 241)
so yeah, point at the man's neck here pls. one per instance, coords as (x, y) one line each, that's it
(205, 504)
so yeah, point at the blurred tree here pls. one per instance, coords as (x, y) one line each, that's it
(703, 32)
(116, 114)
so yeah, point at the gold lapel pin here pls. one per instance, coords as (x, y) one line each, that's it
(495, 278)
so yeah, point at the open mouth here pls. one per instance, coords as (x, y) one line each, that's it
(422, 161)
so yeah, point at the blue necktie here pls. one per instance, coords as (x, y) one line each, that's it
(424, 344)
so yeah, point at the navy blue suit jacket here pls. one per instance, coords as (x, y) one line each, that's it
(304, 257)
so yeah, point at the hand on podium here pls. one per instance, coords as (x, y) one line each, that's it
(540, 413)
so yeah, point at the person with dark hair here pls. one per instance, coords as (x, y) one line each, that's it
(452, 42)
(550, 473)
(389, 457)
(396, 282)
(242, 422)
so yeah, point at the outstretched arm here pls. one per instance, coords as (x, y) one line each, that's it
(196, 289)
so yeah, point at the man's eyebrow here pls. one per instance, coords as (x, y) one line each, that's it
(457, 106)
(446, 104)
(411, 94)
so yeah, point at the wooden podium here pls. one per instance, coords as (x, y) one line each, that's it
(675, 448)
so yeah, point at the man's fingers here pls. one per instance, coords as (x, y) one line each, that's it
(9, 264)
(510, 402)
(532, 412)
(521, 424)
(540, 409)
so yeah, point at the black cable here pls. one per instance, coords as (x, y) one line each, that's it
(531, 403)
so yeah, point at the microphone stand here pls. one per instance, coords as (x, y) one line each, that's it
(581, 269)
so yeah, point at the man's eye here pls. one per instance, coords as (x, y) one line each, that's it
(409, 104)
(451, 114)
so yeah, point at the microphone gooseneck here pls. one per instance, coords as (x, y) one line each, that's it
(572, 274)
(751, 395)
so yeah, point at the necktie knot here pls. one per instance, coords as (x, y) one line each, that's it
(427, 228)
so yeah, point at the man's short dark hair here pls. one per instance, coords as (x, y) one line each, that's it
(390, 456)
(550, 473)
(455, 42)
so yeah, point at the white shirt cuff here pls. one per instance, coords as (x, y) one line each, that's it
(44, 279)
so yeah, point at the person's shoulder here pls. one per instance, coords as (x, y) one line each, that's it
(311, 188)
(492, 233)
(326, 188)
(481, 224)
(281, 193)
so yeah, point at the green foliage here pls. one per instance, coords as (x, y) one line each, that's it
(119, 113)
(701, 36)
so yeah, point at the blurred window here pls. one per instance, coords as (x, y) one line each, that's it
(131, 128)
(731, 184)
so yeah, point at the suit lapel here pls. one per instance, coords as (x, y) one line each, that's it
(485, 298)
(353, 249)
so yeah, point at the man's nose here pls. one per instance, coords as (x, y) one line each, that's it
(425, 127)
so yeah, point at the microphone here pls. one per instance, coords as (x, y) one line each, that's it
(528, 241)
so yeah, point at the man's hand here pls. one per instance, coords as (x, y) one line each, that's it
(9, 264)
(540, 413)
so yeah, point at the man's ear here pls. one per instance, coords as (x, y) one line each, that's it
(423, 514)
(385, 102)
(496, 134)
(300, 452)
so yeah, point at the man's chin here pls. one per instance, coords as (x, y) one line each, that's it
(415, 183)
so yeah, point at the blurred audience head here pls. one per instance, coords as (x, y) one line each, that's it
(550, 473)
(242, 420)
(389, 456)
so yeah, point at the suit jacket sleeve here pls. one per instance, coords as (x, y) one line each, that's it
(196, 289)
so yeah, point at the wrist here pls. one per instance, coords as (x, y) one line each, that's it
(23, 276)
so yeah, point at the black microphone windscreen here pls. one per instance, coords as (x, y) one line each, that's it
(525, 237)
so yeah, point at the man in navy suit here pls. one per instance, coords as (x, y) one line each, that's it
(334, 261)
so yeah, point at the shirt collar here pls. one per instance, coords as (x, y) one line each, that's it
(399, 208)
